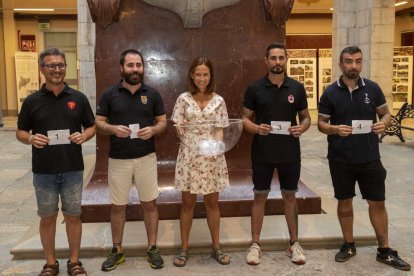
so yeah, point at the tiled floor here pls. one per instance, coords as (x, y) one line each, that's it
(19, 223)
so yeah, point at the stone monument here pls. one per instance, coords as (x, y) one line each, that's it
(170, 34)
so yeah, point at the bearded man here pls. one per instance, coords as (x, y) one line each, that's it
(132, 113)
(270, 107)
(353, 112)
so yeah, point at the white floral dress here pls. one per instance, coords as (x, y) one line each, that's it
(196, 173)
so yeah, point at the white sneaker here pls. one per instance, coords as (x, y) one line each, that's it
(253, 257)
(296, 253)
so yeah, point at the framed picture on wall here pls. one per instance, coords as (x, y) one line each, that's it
(28, 43)
(302, 67)
(325, 70)
(402, 76)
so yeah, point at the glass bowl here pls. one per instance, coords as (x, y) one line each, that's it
(210, 138)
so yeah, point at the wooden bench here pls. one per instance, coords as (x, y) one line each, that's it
(405, 112)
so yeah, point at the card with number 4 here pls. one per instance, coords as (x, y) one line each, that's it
(361, 126)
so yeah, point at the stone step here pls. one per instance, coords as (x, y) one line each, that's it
(234, 201)
(315, 232)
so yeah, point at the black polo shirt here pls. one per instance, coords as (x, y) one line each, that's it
(271, 103)
(121, 107)
(43, 111)
(343, 106)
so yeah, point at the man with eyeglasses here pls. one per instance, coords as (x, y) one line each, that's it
(56, 121)
(132, 114)
(348, 111)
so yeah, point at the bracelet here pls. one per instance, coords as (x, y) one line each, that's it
(30, 139)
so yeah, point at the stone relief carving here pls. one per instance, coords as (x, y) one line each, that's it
(278, 11)
(104, 12)
(191, 11)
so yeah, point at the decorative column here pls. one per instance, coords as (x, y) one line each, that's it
(10, 45)
(86, 51)
(369, 25)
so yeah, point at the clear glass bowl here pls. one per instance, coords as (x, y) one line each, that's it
(210, 138)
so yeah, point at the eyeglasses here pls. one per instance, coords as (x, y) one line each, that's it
(61, 66)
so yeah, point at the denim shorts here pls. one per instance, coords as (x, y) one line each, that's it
(48, 187)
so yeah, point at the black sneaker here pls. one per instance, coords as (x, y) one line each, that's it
(154, 258)
(391, 258)
(347, 251)
(113, 260)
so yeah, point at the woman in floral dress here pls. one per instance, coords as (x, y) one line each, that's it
(195, 173)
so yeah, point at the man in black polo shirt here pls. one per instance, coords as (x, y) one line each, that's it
(270, 107)
(56, 121)
(132, 113)
(348, 112)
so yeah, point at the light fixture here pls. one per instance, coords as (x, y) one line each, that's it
(401, 3)
(331, 9)
(308, 2)
(36, 10)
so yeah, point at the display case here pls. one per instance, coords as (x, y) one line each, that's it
(325, 70)
(27, 75)
(402, 76)
(301, 66)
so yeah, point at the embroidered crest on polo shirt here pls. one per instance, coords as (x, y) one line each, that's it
(367, 101)
(291, 99)
(71, 105)
(144, 99)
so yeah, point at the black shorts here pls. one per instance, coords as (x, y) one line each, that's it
(263, 173)
(370, 177)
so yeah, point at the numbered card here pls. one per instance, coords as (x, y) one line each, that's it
(361, 126)
(134, 131)
(58, 137)
(280, 127)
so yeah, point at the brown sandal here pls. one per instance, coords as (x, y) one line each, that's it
(50, 269)
(181, 259)
(220, 257)
(76, 268)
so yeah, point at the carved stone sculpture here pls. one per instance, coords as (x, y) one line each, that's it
(104, 12)
(278, 11)
(191, 11)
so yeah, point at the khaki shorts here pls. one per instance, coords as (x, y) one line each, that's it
(124, 173)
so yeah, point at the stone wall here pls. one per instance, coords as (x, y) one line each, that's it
(86, 52)
(369, 25)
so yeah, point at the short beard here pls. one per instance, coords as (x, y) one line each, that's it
(128, 79)
(277, 70)
(352, 75)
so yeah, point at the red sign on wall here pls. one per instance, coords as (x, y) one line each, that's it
(28, 43)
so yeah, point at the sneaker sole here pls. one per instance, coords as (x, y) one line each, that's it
(253, 263)
(394, 266)
(120, 261)
(344, 260)
(154, 266)
(299, 262)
